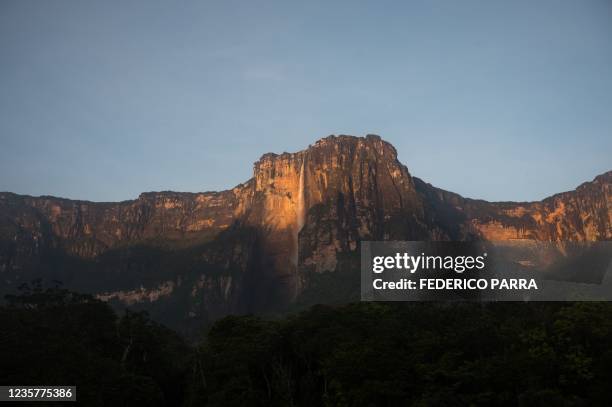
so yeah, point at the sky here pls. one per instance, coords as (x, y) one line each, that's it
(499, 100)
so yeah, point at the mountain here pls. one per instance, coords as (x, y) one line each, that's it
(190, 258)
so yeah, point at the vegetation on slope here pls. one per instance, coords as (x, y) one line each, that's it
(365, 354)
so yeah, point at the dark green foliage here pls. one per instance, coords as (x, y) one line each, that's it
(51, 336)
(412, 354)
(364, 354)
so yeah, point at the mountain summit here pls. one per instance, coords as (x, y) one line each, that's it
(192, 257)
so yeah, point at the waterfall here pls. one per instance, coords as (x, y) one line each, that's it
(300, 213)
(301, 207)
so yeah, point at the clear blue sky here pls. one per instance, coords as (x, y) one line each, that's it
(501, 100)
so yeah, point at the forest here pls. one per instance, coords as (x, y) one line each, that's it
(361, 354)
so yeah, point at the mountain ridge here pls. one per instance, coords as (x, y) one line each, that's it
(261, 244)
(607, 176)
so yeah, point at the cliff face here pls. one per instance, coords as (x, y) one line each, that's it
(584, 214)
(316, 203)
(257, 246)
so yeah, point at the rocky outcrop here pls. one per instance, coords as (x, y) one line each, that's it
(323, 200)
(584, 214)
(257, 245)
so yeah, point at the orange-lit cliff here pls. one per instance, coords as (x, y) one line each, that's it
(258, 245)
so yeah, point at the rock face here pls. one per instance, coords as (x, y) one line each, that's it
(197, 256)
(584, 214)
